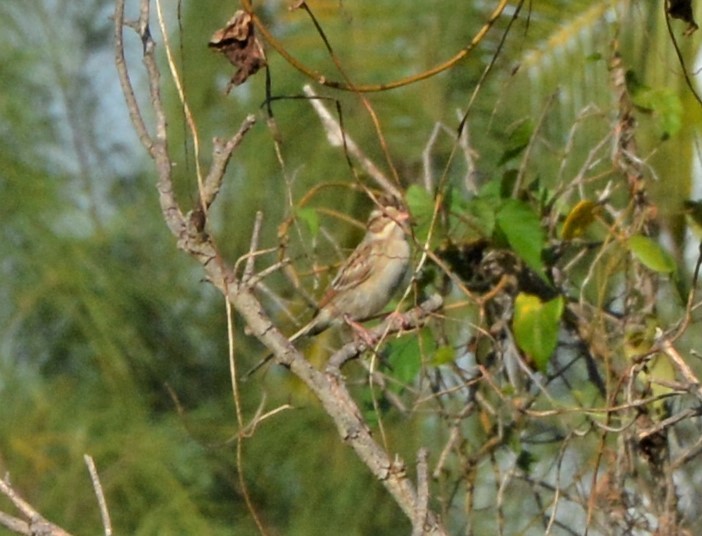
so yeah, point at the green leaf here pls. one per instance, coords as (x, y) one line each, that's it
(405, 359)
(536, 325)
(669, 111)
(662, 102)
(472, 219)
(651, 254)
(517, 141)
(522, 229)
(492, 189)
(421, 205)
(310, 217)
(661, 374)
(420, 202)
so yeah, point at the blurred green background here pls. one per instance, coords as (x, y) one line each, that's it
(99, 311)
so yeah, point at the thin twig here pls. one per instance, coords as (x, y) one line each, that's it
(255, 236)
(256, 279)
(362, 97)
(337, 137)
(469, 154)
(678, 53)
(322, 79)
(240, 421)
(426, 158)
(97, 486)
(686, 372)
(519, 182)
(125, 81)
(692, 452)
(666, 423)
(189, 119)
(221, 155)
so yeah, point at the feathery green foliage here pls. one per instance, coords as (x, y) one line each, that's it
(102, 318)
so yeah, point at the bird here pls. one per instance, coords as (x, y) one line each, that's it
(368, 278)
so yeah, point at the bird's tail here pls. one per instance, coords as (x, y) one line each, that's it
(308, 329)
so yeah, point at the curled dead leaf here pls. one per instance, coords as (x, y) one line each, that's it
(238, 42)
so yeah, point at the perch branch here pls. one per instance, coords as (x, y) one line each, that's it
(409, 320)
(36, 524)
(423, 493)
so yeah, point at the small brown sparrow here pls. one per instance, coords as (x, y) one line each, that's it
(369, 277)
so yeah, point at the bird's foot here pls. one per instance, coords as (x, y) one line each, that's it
(360, 332)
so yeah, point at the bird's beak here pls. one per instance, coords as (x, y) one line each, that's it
(404, 220)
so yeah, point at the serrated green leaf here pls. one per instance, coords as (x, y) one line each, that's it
(536, 324)
(651, 254)
(522, 229)
(310, 217)
(473, 219)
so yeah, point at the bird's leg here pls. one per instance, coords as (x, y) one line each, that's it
(396, 320)
(361, 332)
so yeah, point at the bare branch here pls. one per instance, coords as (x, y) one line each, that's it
(14, 524)
(221, 155)
(683, 368)
(125, 81)
(255, 235)
(36, 524)
(156, 145)
(422, 494)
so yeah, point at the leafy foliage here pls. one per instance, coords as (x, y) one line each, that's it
(536, 326)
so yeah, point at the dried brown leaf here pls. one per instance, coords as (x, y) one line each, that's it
(238, 42)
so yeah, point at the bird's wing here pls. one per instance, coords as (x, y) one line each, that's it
(353, 272)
